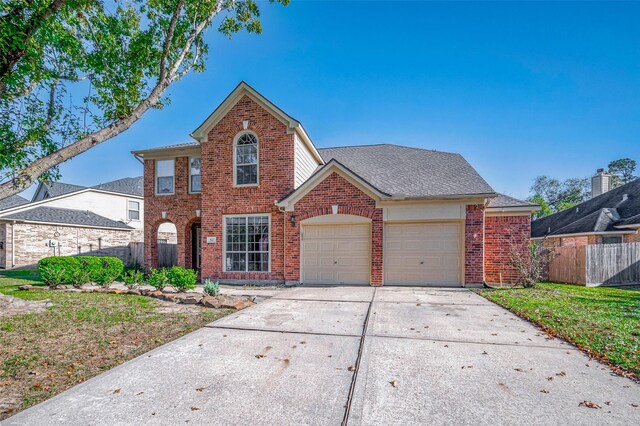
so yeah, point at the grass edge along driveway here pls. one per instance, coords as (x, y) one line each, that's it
(82, 335)
(604, 322)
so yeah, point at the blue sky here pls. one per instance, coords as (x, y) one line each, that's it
(519, 89)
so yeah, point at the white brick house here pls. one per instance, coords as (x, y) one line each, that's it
(64, 219)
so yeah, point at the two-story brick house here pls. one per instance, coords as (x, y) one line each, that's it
(254, 201)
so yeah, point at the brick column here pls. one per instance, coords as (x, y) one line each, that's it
(377, 244)
(474, 245)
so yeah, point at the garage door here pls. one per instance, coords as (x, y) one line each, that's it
(336, 254)
(423, 254)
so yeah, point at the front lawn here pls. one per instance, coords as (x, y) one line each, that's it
(80, 336)
(605, 322)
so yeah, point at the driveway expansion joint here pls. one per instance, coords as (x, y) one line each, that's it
(473, 342)
(356, 367)
(266, 330)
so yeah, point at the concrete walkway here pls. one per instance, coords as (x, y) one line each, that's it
(325, 356)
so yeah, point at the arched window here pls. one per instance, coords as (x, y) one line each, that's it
(245, 159)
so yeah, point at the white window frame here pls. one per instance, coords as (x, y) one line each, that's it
(224, 244)
(235, 171)
(191, 191)
(174, 175)
(139, 210)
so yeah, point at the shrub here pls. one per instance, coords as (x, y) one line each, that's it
(91, 264)
(58, 269)
(211, 288)
(133, 278)
(158, 278)
(182, 278)
(531, 261)
(112, 268)
(80, 276)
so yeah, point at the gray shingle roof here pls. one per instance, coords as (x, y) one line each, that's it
(505, 201)
(59, 188)
(66, 216)
(12, 201)
(130, 185)
(622, 204)
(410, 172)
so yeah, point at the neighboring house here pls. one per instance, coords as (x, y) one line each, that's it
(611, 216)
(64, 219)
(254, 201)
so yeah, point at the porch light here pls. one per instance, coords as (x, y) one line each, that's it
(292, 219)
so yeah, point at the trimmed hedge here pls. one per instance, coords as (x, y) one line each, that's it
(80, 270)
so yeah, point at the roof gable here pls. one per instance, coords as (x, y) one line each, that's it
(241, 90)
(12, 201)
(333, 166)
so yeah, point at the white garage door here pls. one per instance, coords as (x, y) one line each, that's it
(423, 254)
(336, 254)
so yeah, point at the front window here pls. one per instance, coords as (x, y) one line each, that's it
(195, 174)
(246, 160)
(133, 209)
(247, 244)
(164, 176)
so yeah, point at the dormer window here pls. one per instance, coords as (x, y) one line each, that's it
(245, 160)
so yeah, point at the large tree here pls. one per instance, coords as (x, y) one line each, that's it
(622, 171)
(555, 195)
(75, 73)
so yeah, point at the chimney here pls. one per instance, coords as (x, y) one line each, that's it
(600, 183)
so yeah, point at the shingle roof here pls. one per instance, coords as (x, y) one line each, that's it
(410, 172)
(174, 146)
(621, 204)
(66, 216)
(12, 201)
(59, 188)
(506, 201)
(129, 185)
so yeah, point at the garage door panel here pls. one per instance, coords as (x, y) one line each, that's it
(423, 254)
(336, 254)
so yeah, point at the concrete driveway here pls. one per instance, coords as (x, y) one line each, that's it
(326, 356)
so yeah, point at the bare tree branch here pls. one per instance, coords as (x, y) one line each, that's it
(169, 37)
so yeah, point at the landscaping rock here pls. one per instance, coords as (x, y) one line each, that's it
(114, 291)
(190, 298)
(211, 302)
(155, 293)
(228, 302)
(133, 291)
(73, 290)
(32, 287)
(170, 297)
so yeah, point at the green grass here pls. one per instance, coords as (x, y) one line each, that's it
(81, 335)
(605, 322)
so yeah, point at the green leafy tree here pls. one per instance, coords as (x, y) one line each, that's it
(555, 195)
(621, 171)
(76, 73)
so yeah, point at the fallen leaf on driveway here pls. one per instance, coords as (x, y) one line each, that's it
(562, 373)
(589, 404)
(544, 391)
(199, 389)
(394, 383)
(351, 368)
(117, 391)
(259, 356)
(194, 408)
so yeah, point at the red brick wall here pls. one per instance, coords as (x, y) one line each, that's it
(335, 189)
(631, 238)
(180, 208)
(502, 235)
(474, 245)
(220, 197)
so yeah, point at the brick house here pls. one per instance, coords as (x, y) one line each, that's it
(65, 219)
(611, 216)
(254, 201)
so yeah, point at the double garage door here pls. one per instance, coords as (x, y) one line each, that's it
(415, 254)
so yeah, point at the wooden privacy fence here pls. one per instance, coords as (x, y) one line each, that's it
(136, 251)
(167, 255)
(598, 264)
